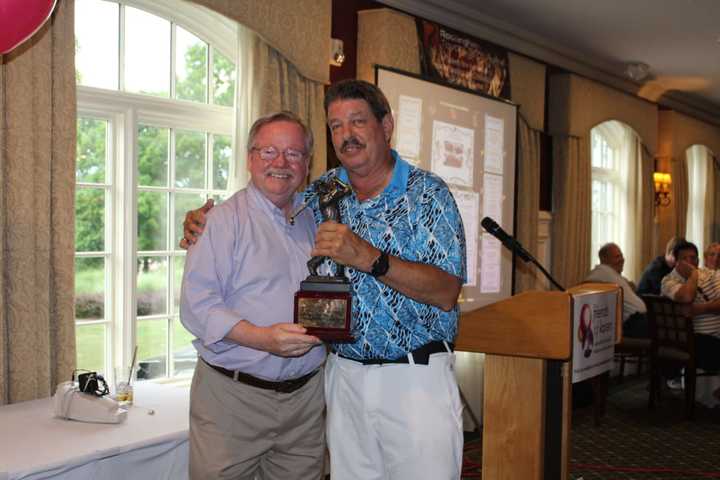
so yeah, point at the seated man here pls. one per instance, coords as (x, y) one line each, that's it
(610, 271)
(701, 287)
(662, 265)
(711, 257)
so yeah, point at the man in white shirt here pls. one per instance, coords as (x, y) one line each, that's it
(711, 256)
(609, 270)
(700, 287)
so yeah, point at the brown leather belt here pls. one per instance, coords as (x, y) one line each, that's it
(284, 386)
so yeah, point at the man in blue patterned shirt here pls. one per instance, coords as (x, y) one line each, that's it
(394, 410)
(393, 406)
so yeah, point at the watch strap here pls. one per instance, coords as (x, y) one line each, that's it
(380, 266)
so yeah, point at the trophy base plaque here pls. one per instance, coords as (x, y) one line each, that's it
(323, 305)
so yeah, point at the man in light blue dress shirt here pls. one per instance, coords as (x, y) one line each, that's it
(257, 400)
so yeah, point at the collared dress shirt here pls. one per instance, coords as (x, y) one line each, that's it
(415, 218)
(247, 265)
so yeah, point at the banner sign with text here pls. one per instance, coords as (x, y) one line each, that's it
(464, 61)
(594, 317)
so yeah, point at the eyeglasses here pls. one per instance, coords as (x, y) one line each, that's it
(269, 154)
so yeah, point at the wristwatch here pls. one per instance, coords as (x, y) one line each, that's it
(380, 266)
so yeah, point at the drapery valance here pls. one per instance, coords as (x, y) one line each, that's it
(298, 29)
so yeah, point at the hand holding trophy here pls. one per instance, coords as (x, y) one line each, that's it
(323, 303)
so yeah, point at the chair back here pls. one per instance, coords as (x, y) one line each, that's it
(673, 345)
(671, 329)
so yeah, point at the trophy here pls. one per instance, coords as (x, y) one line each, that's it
(323, 303)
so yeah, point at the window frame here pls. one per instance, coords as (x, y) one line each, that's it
(125, 112)
(611, 176)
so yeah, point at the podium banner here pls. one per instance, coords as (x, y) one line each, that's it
(594, 316)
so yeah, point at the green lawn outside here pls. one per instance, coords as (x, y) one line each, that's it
(152, 342)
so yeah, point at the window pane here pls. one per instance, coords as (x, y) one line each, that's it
(152, 221)
(153, 156)
(189, 159)
(90, 220)
(90, 341)
(90, 288)
(222, 151)
(178, 266)
(223, 80)
(91, 150)
(190, 66)
(219, 198)
(147, 53)
(96, 43)
(184, 354)
(152, 336)
(183, 203)
(152, 286)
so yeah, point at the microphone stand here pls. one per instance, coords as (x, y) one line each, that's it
(532, 259)
(514, 246)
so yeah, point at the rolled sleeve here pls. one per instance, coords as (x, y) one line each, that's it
(670, 286)
(203, 310)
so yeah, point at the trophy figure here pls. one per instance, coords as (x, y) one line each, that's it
(323, 303)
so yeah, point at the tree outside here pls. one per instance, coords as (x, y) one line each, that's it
(154, 220)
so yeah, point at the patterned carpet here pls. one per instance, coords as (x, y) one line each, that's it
(634, 443)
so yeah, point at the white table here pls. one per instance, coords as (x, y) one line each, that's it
(35, 445)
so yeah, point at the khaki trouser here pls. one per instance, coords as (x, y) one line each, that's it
(241, 432)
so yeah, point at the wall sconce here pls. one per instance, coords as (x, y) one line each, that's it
(337, 55)
(662, 188)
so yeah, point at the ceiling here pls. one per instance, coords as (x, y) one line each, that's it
(678, 39)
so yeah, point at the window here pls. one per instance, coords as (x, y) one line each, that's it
(700, 212)
(615, 159)
(155, 138)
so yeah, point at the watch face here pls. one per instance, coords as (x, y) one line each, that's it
(381, 265)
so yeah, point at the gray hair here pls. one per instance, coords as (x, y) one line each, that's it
(283, 116)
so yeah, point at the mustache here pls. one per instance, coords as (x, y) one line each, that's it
(351, 142)
(279, 171)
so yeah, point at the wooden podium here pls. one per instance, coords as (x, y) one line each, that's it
(527, 340)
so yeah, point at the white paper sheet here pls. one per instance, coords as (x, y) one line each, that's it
(452, 153)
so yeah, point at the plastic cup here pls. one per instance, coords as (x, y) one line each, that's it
(124, 392)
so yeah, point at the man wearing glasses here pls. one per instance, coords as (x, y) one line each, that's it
(256, 402)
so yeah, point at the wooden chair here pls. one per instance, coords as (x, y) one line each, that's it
(673, 346)
(632, 348)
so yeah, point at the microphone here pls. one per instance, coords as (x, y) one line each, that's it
(510, 243)
(514, 246)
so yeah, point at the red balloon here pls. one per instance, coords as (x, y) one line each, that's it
(20, 19)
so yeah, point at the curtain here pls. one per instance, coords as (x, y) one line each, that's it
(680, 195)
(267, 82)
(528, 203)
(710, 185)
(701, 199)
(647, 208)
(571, 209)
(280, 86)
(37, 174)
(630, 236)
(298, 29)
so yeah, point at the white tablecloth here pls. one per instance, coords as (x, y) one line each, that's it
(35, 445)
